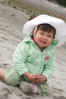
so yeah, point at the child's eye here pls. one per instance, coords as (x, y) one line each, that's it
(41, 33)
(49, 36)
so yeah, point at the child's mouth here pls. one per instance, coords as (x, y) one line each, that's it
(43, 42)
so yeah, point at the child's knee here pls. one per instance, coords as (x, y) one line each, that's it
(43, 89)
(11, 77)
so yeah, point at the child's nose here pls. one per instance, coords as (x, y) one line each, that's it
(44, 36)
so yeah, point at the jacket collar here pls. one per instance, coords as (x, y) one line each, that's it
(53, 44)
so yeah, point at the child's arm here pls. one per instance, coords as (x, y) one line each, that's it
(49, 66)
(19, 58)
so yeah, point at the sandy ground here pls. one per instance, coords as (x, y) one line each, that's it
(11, 23)
(47, 6)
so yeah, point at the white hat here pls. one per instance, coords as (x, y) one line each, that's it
(57, 23)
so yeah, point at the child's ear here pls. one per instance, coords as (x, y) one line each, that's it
(33, 33)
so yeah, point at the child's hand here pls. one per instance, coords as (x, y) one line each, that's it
(40, 78)
(30, 76)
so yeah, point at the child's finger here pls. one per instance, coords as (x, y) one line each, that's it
(39, 80)
(38, 76)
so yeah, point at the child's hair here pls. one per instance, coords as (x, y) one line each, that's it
(48, 28)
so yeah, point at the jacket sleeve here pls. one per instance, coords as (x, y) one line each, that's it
(19, 58)
(49, 66)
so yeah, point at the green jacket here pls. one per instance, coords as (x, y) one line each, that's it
(29, 58)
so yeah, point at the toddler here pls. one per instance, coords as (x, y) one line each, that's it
(34, 57)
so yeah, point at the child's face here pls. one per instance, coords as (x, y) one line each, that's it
(43, 39)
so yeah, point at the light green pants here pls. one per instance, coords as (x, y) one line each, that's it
(12, 78)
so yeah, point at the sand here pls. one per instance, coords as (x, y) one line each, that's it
(11, 23)
(44, 5)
